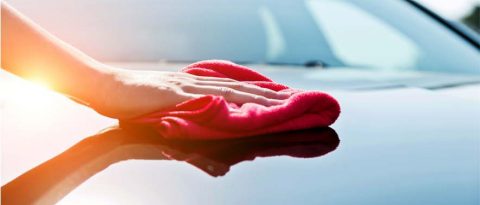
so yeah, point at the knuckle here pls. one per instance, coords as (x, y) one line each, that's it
(259, 99)
(188, 88)
(238, 86)
(227, 92)
(174, 82)
(265, 91)
(184, 79)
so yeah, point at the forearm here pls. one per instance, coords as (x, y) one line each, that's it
(32, 53)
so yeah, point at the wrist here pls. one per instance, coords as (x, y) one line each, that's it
(98, 85)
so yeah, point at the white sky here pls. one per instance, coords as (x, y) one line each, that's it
(453, 9)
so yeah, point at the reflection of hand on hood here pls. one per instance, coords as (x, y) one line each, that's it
(52, 180)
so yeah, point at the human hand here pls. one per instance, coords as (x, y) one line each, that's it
(113, 92)
(130, 93)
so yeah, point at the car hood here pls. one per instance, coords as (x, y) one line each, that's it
(348, 78)
(401, 145)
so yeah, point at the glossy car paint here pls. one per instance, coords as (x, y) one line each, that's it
(397, 146)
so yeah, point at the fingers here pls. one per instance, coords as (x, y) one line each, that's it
(232, 95)
(231, 90)
(209, 79)
(247, 88)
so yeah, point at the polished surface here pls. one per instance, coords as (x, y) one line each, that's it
(57, 177)
(398, 146)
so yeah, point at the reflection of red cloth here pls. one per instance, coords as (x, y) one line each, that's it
(217, 157)
(211, 117)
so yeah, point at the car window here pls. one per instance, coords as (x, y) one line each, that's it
(338, 20)
(359, 34)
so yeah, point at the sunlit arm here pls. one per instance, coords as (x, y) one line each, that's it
(32, 53)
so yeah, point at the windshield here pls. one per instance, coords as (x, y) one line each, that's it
(363, 34)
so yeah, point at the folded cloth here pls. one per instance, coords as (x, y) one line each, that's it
(211, 117)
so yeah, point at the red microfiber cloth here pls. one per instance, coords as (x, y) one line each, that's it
(212, 117)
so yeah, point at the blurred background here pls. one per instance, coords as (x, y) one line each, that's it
(132, 30)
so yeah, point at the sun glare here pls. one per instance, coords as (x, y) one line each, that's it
(40, 82)
(35, 90)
